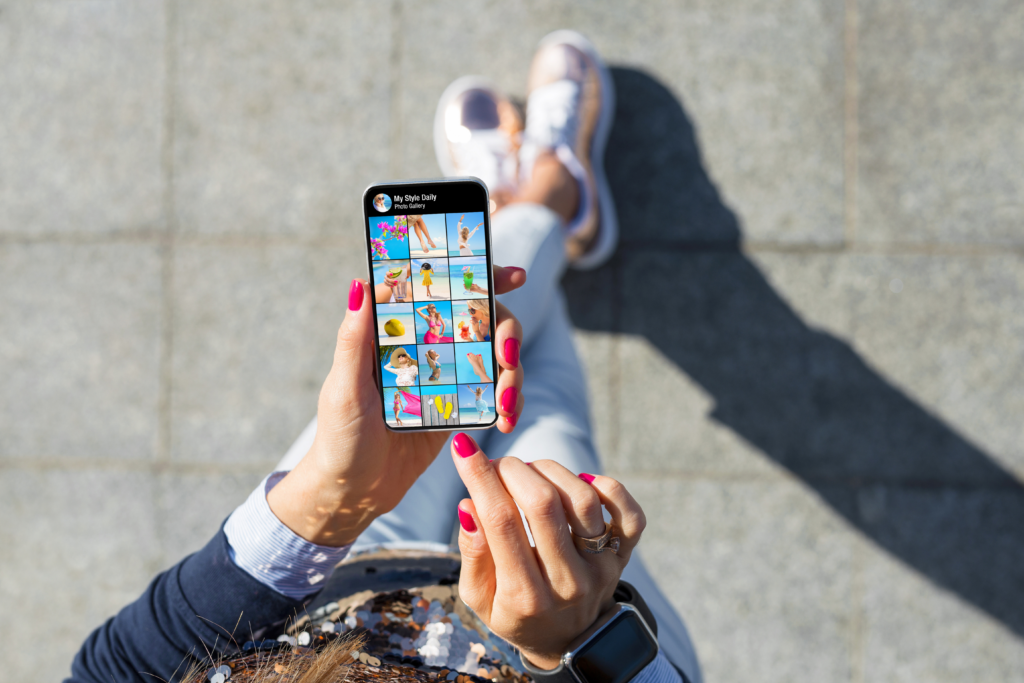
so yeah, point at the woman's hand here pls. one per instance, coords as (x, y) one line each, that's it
(539, 599)
(357, 469)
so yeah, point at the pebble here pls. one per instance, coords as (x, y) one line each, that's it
(224, 669)
(331, 607)
(327, 627)
(285, 638)
(304, 638)
(217, 678)
(452, 675)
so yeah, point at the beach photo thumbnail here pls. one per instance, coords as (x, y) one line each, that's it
(399, 271)
(395, 324)
(466, 234)
(476, 404)
(430, 274)
(424, 230)
(469, 277)
(399, 366)
(382, 203)
(439, 405)
(389, 238)
(405, 411)
(472, 320)
(430, 329)
(473, 363)
(438, 361)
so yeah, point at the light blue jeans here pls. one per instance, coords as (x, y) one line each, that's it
(554, 425)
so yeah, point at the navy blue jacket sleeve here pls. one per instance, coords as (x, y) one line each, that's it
(205, 602)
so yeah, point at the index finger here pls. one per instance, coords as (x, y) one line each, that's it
(508, 278)
(514, 560)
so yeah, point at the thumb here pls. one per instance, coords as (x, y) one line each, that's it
(477, 582)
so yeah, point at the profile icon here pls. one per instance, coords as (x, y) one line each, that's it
(382, 202)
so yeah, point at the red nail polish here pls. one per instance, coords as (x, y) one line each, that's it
(509, 399)
(589, 478)
(512, 352)
(464, 445)
(521, 270)
(466, 520)
(355, 296)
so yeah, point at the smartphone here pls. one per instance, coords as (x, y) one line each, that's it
(428, 247)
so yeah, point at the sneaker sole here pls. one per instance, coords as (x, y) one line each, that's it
(608, 229)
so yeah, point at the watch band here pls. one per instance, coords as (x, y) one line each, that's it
(624, 593)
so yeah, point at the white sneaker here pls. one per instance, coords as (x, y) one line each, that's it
(569, 111)
(477, 132)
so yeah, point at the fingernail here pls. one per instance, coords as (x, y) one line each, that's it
(521, 270)
(355, 296)
(512, 352)
(464, 445)
(512, 419)
(508, 401)
(466, 520)
(589, 478)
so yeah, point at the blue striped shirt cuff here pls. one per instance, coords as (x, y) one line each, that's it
(658, 671)
(263, 547)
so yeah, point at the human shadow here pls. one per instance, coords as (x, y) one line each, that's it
(806, 399)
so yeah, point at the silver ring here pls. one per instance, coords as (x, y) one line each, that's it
(598, 544)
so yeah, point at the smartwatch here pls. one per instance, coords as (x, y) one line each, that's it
(614, 649)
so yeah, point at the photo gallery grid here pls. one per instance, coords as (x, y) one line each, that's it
(435, 331)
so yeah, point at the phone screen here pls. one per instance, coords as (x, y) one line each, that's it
(429, 250)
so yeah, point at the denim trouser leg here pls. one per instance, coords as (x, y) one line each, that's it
(554, 425)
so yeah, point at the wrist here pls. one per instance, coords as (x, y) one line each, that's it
(318, 509)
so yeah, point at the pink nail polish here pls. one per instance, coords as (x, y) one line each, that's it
(355, 296)
(521, 270)
(512, 419)
(589, 478)
(466, 520)
(464, 445)
(512, 352)
(509, 399)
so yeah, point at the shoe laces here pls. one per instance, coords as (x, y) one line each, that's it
(552, 114)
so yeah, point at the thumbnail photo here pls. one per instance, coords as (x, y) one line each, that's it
(393, 275)
(472, 320)
(469, 277)
(434, 322)
(430, 233)
(402, 406)
(473, 362)
(476, 403)
(388, 238)
(430, 279)
(382, 203)
(439, 405)
(395, 324)
(466, 234)
(398, 366)
(440, 358)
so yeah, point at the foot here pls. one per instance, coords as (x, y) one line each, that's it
(476, 133)
(569, 112)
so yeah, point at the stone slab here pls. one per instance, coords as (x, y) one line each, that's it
(767, 93)
(255, 330)
(953, 613)
(192, 506)
(940, 106)
(82, 119)
(761, 572)
(80, 351)
(885, 392)
(281, 116)
(78, 545)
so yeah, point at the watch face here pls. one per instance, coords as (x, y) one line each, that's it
(622, 649)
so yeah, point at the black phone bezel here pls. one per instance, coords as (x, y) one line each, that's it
(456, 192)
